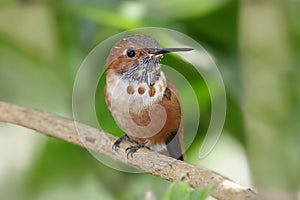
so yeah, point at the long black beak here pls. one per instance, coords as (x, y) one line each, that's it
(169, 50)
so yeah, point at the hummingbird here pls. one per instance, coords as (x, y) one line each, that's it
(142, 100)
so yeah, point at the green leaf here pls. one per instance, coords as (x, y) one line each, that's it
(178, 9)
(107, 17)
(201, 193)
(178, 191)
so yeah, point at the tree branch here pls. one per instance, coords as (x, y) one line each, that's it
(101, 142)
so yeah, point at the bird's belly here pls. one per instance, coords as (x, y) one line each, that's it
(138, 115)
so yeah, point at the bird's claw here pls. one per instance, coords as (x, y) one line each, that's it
(132, 149)
(117, 143)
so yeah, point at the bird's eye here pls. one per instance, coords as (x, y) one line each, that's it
(130, 53)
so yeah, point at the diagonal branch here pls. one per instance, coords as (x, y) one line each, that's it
(101, 142)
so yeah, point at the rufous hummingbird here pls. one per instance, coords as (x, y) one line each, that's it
(143, 101)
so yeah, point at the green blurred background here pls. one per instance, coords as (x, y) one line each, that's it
(255, 43)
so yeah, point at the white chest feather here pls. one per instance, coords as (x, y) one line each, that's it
(121, 91)
(128, 97)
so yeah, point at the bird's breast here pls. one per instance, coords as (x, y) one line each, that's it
(135, 106)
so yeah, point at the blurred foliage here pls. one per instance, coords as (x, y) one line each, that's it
(42, 44)
(182, 191)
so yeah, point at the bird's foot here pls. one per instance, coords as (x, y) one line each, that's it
(116, 144)
(132, 149)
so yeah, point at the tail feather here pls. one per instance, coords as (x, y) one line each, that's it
(174, 146)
